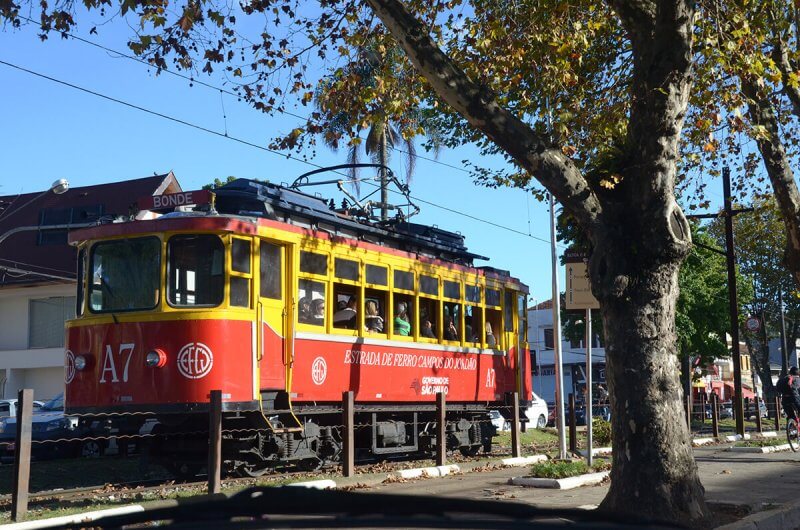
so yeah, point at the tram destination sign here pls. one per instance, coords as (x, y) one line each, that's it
(173, 200)
(579, 292)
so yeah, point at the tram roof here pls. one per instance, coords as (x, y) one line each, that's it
(251, 198)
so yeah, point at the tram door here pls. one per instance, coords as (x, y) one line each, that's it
(274, 315)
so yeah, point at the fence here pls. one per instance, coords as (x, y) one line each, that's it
(25, 446)
(705, 419)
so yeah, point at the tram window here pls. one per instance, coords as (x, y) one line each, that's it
(346, 269)
(403, 315)
(472, 293)
(125, 275)
(473, 324)
(312, 302)
(346, 310)
(375, 311)
(313, 263)
(81, 282)
(240, 291)
(493, 297)
(195, 276)
(428, 313)
(240, 255)
(494, 328)
(452, 289)
(428, 285)
(404, 280)
(509, 310)
(270, 270)
(379, 275)
(452, 321)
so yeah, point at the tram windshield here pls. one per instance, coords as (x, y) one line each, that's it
(125, 275)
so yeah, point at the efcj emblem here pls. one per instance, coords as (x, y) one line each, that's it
(195, 360)
(319, 370)
(69, 367)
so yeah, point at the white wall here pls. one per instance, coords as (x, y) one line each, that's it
(39, 368)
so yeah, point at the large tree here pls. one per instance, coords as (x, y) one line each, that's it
(588, 99)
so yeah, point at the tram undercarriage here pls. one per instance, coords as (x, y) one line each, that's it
(253, 444)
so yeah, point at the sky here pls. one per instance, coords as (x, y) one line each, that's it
(50, 131)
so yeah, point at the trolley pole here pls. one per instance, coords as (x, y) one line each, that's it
(562, 440)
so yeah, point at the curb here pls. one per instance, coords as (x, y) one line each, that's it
(77, 518)
(523, 460)
(599, 451)
(767, 449)
(777, 519)
(560, 483)
(325, 484)
(428, 472)
(703, 441)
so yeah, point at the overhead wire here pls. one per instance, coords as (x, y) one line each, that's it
(249, 144)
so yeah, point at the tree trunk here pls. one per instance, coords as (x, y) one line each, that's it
(650, 438)
(776, 161)
(638, 233)
(382, 158)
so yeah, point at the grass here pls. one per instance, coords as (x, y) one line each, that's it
(562, 469)
(49, 475)
(767, 442)
(539, 438)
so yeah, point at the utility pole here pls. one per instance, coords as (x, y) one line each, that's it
(733, 304)
(560, 424)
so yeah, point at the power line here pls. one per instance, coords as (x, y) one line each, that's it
(224, 91)
(246, 142)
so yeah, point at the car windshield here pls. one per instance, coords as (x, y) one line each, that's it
(57, 403)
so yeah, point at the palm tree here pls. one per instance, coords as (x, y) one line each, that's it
(384, 131)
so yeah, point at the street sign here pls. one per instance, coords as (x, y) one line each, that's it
(173, 200)
(579, 291)
(753, 324)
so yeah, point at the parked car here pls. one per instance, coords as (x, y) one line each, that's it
(537, 412)
(726, 410)
(8, 407)
(499, 422)
(54, 434)
(598, 411)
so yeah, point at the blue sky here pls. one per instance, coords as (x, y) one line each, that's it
(51, 131)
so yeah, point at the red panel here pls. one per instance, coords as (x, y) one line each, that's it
(202, 355)
(324, 369)
(273, 371)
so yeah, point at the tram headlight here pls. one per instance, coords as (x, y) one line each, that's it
(155, 359)
(80, 362)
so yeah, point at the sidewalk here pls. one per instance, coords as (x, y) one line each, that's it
(753, 482)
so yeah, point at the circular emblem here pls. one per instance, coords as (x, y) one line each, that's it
(195, 360)
(753, 324)
(319, 370)
(69, 367)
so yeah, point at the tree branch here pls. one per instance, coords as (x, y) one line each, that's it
(545, 162)
(781, 57)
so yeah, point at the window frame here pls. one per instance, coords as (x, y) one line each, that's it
(167, 277)
(161, 271)
(248, 276)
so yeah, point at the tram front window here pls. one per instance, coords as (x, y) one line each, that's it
(125, 275)
(196, 275)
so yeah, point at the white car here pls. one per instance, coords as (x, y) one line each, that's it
(500, 423)
(8, 407)
(537, 412)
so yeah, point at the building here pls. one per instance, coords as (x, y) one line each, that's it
(38, 270)
(573, 358)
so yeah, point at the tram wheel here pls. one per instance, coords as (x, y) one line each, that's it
(185, 470)
(310, 464)
(252, 471)
(470, 450)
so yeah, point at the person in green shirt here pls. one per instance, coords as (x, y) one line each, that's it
(402, 326)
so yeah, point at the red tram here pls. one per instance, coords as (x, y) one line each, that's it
(283, 302)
